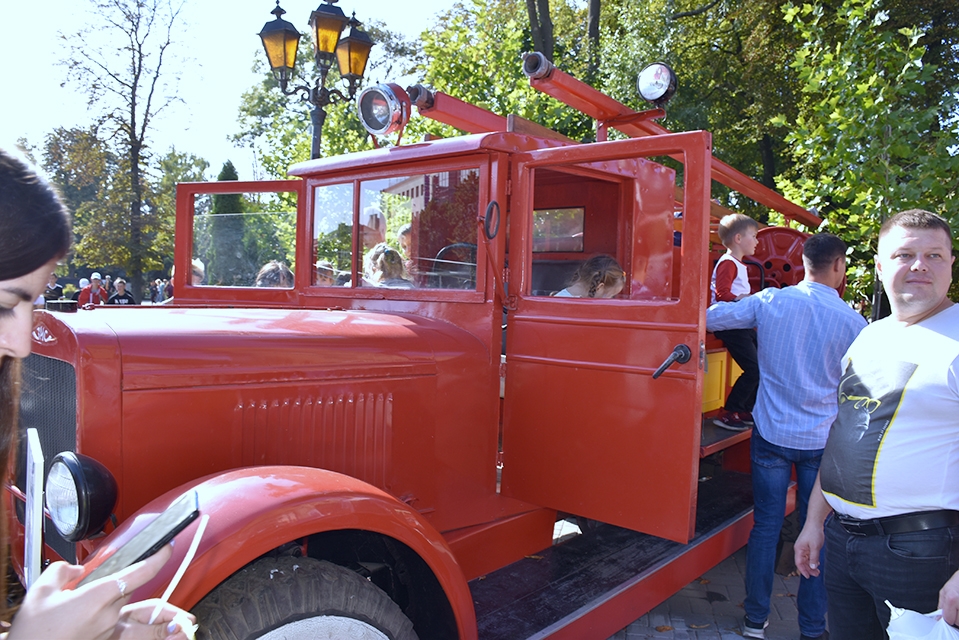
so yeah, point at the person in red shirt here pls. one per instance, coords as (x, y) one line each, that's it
(93, 293)
(729, 284)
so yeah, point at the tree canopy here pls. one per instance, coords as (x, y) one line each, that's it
(129, 84)
(868, 140)
(848, 106)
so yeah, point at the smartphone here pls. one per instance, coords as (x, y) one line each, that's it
(148, 540)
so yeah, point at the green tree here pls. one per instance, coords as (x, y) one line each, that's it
(731, 59)
(102, 223)
(128, 84)
(80, 165)
(172, 168)
(486, 39)
(864, 150)
(239, 234)
(78, 162)
(225, 263)
(938, 21)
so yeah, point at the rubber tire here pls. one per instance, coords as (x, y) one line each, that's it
(272, 592)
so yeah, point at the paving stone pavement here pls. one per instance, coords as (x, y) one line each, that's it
(711, 608)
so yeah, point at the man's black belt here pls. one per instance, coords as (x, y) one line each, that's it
(905, 523)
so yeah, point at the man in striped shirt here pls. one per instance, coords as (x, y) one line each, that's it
(803, 332)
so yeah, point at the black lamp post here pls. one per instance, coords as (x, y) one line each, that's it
(281, 39)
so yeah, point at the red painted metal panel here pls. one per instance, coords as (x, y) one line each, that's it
(587, 430)
(488, 547)
(257, 509)
(463, 115)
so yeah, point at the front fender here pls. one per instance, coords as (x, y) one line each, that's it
(255, 510)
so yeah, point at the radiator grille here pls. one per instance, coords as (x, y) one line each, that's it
(350, 434)
(48, 403)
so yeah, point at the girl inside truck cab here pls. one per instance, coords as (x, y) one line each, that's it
(599, 277)
(34, 235)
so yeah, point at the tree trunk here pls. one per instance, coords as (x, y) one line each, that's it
(592, 37)
(540, 26)
(546, 26)
(534, 26)
(136, 224)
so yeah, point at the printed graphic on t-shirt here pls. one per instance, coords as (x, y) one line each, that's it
(868, 402)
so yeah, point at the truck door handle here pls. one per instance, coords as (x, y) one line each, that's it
(680, 354)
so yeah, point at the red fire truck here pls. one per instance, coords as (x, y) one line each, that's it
(387, 450)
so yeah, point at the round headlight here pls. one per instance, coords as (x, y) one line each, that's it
(383, 108)
(80, 494)
(656, 83)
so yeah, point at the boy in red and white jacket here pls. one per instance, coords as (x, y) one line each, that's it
(730, 283)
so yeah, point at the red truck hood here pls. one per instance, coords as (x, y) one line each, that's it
(188, 347)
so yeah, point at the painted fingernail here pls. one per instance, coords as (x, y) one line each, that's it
(172, 628)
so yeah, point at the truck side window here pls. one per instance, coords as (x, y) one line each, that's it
(332, 234)
(624, 210)
(556, 232)
(235, 235)
(419, 231)
(577, 214)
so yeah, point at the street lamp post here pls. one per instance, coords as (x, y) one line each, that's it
(281, 40)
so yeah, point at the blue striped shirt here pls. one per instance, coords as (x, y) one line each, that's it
(803, 333)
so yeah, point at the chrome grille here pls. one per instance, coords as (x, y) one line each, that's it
(48, 403)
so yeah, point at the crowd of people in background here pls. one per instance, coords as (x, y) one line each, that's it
(99, 289)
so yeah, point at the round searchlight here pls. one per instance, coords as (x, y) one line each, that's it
(80, 494)
(383, 108)
(656, 83)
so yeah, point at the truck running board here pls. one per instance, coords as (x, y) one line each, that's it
(597, 583)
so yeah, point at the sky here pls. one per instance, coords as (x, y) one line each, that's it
(215, 68)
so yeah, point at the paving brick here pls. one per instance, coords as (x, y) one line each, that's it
(716, 600)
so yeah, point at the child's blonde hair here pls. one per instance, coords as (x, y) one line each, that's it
(384, 263)
(601, 269)
(733, 224)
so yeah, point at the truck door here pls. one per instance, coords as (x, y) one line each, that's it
(588, 428)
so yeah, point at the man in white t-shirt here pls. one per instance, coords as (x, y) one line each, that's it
(890, 469)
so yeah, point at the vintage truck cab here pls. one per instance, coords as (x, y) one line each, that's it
(385, 444)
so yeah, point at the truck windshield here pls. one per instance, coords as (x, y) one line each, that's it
(415, 231)
(244, 240)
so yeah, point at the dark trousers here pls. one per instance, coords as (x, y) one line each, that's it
(862, 572)
(741, 344)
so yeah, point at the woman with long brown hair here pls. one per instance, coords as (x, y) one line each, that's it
(34, 235)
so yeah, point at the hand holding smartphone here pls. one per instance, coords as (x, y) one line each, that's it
(147, 541)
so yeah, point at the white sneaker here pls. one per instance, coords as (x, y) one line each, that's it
(754, 630)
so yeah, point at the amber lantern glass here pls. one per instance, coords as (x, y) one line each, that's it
(327, 23)
(280, 40)
(353, 52)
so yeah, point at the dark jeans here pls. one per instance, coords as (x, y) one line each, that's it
(741, 344)
(771, 469)
(907, 569)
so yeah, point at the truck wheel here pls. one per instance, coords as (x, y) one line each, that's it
(289, 597)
